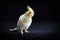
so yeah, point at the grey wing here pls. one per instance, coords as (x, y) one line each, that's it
(19, 23)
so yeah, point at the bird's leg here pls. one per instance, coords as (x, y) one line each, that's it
(26, 31)
(21, 32)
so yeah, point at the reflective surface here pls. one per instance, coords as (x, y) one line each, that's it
(38, 30)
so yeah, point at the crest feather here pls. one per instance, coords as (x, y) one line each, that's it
(29, 8)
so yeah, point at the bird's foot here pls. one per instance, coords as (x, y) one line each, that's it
(26, 31)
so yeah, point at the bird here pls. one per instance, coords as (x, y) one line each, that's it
(24, 21)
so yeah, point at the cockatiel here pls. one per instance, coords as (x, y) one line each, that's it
(24, 21)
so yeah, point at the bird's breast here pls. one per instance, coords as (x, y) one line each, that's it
(27, 21)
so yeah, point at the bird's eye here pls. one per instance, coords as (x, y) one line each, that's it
(29, 12)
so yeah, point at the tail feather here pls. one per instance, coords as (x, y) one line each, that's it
(16, 29)
(13, 29)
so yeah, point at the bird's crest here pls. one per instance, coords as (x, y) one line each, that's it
(29, 8)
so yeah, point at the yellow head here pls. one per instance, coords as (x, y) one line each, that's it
(30, 12)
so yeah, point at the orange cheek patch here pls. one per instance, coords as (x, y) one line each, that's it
(28, 14)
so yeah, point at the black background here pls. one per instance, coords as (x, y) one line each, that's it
(46, 11)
